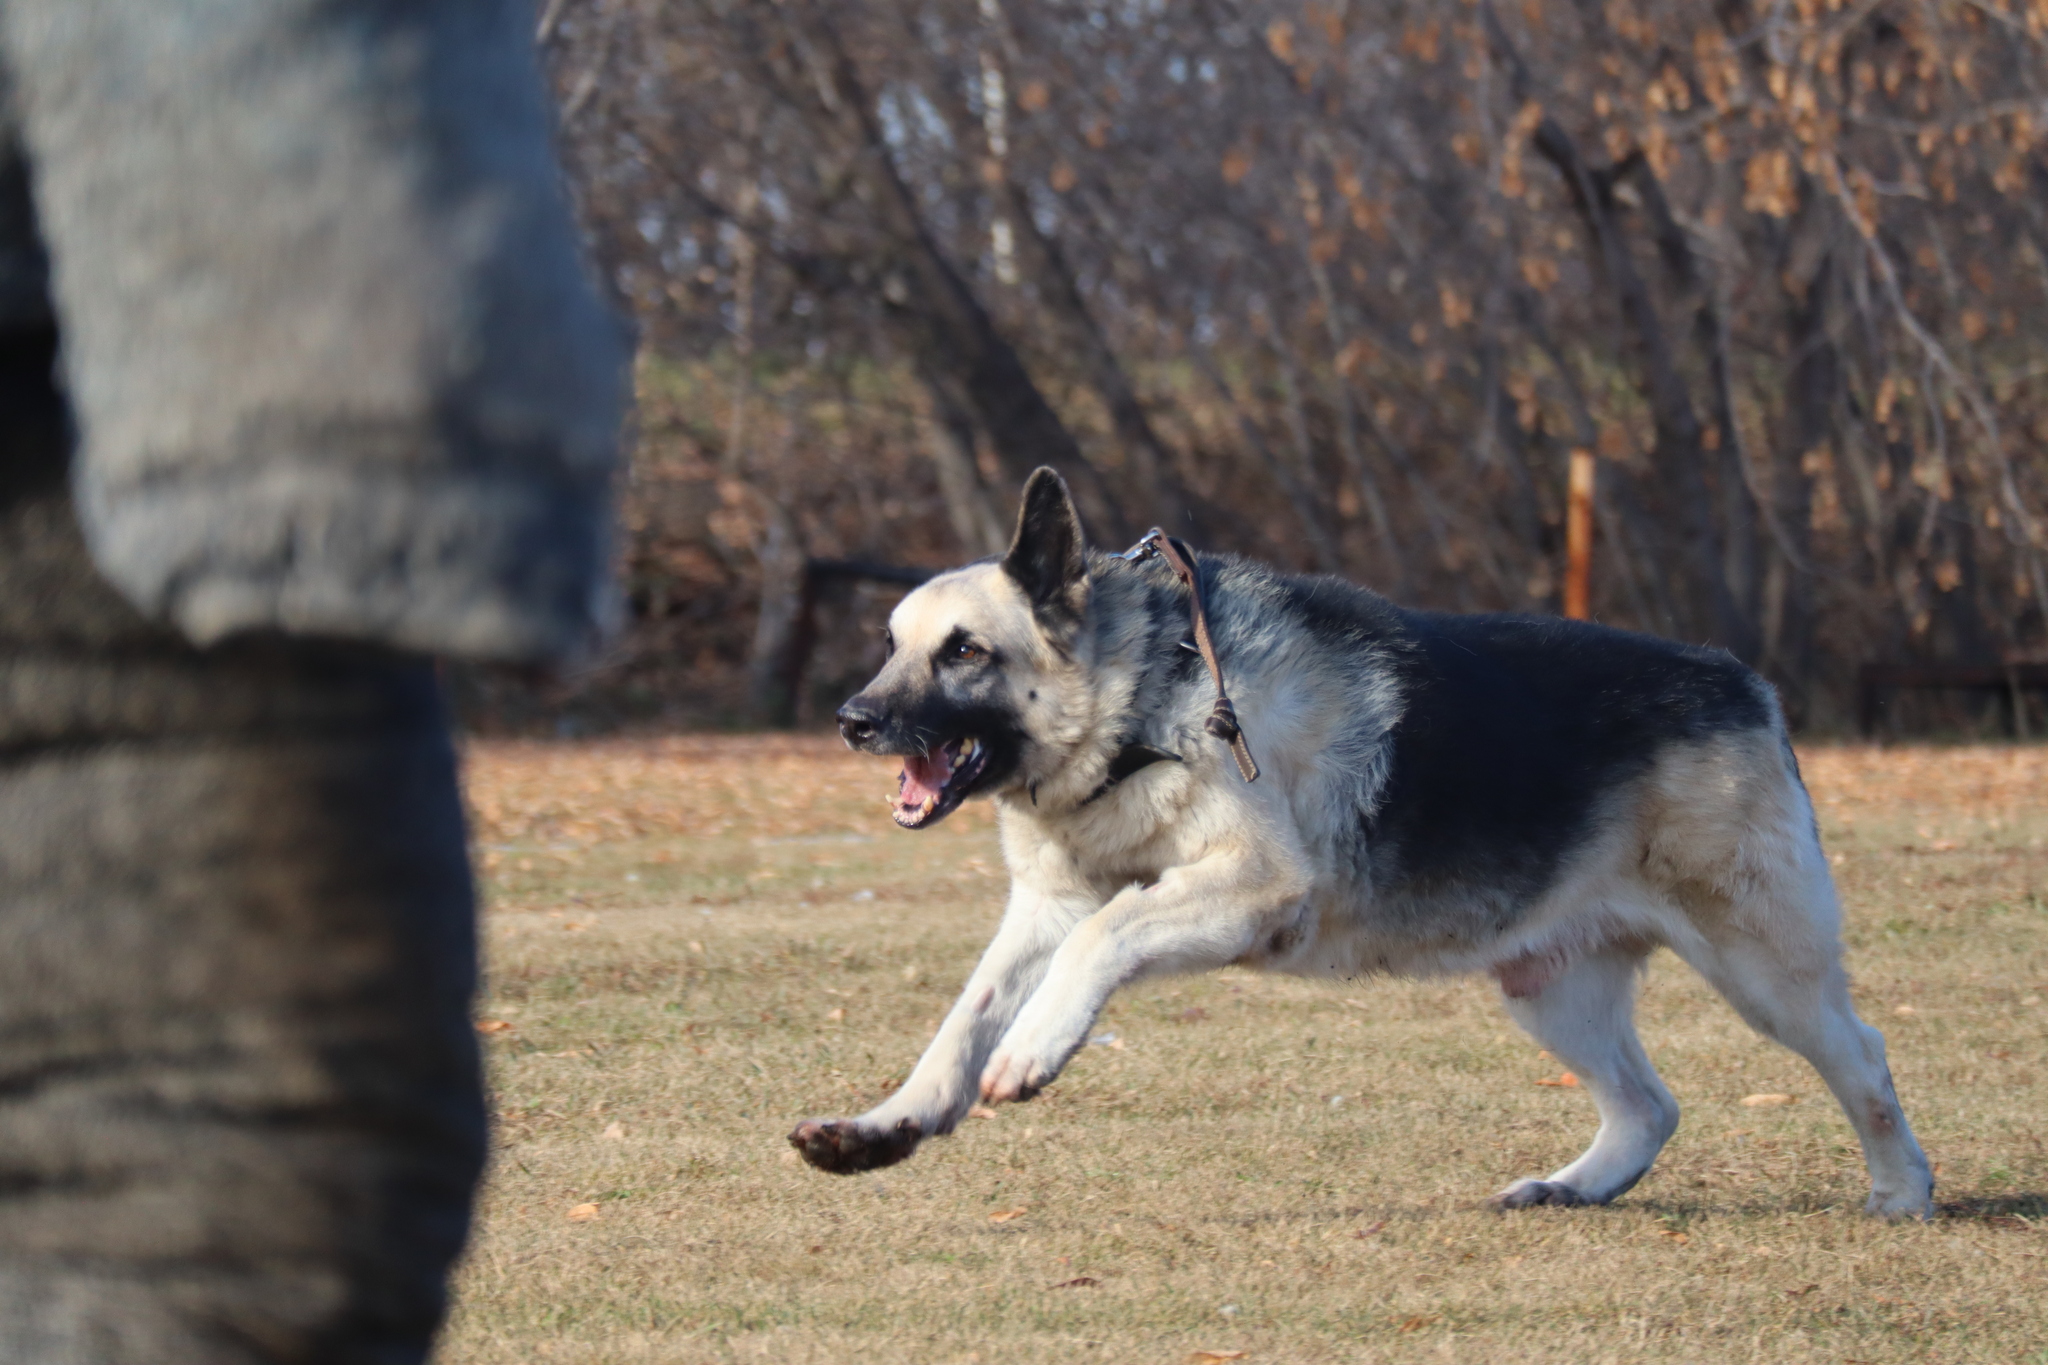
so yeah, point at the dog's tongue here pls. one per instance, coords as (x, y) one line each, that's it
(923, 775)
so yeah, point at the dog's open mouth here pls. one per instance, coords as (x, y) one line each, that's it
(937, 780)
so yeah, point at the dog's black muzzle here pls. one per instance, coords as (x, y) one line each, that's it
(858, 723)
(870, 724)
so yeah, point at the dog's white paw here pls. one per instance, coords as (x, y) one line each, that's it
(1011, 1076)
(1527, 1194)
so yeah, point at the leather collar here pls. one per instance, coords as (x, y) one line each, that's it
(1132, 757)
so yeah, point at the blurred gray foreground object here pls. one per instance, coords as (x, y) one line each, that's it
(333, 394)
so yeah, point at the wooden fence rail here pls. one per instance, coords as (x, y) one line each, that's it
(1875, 684)
(785, 686)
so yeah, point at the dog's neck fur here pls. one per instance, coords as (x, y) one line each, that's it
(1129, 643)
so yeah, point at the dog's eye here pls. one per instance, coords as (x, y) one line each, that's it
(966, 653)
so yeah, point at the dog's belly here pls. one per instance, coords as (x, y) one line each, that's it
(1342, 932)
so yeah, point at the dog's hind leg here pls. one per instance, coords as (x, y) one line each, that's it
(1800, 998)
(1736, 848)
(1584, 1016)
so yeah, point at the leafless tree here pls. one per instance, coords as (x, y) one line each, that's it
(1343, 284)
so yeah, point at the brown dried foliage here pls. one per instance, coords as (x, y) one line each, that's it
(1341, 285)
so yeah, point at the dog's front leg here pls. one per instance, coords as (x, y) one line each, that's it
(1197, 917)
(941, 1089)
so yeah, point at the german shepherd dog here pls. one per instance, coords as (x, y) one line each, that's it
(1546, 801)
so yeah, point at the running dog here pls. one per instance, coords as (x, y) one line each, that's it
(1546, 801)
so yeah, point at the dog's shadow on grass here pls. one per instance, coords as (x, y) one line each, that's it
(2011, 1210)
(2002, 1210)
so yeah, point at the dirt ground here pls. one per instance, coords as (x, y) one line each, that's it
(695, 942)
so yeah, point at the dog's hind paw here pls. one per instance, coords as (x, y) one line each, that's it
(844, 1147)
(1526, 1194)
(1895, 1207)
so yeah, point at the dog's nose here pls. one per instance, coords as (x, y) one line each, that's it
(857, 724)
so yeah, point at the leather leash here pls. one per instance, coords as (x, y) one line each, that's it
(1222, 721)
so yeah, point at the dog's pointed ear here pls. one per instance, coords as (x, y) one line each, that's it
(1048, 559)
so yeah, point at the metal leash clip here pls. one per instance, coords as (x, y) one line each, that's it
(1146, 548)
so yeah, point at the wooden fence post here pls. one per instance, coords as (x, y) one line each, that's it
(1578, 536)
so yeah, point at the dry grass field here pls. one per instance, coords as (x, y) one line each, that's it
(695, 942)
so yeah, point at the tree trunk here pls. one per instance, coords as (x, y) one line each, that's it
(1679, 456)
(1322, 549)
(1173, 504)
(776, 626)
(949, 443)
(1811, 389)
(937, 318)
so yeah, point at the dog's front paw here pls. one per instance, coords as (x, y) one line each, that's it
(1527, 1194)
(844, 1147)
(1013, 1076)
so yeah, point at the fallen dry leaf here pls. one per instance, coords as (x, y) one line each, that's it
(1420, 1321)
(1567, 1080)
(1364, 1233)
(1675, 1235)
(583, 1213)
(614, 1132)
(981, 1111)
(1801, 1292)
(1767, 1101)
(1193, 1014)
(1204, 1357)
(1005, 1215)
(836, 1015)
(1078, 1282)
(1905, 1011)
(494, 1026)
